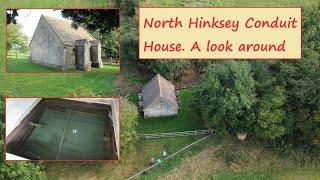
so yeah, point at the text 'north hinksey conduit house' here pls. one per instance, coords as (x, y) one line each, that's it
(55, 43)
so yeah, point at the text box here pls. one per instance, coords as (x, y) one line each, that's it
(220, 33)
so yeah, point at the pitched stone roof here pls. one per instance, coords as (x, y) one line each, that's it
(158, 86)
(66, 33)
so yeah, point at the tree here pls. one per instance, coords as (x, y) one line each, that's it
(270, 115)
(128, 6)
(271, 119)
(225, 97)
(129, 40)
(16, 38)
(128, 125)
(301, 80)
(103, 20)
(109, 42)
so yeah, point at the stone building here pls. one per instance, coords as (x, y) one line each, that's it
(55, 43)
(158, 98)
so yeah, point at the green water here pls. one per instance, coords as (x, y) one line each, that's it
(66, 135)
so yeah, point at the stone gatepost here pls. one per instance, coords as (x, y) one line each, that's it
(83, 54)
(95, 54)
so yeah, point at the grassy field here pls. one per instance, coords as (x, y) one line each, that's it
(132, 164)
(21, 65)
(229, 158)
(57, 84)
(186, 119)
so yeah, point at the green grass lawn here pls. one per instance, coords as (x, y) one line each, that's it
(186, 119)
(57, 84)
(26, 66)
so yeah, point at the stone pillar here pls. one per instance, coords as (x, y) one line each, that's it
(83, 55)
(95, 54)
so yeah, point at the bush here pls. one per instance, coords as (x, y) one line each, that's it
(271, 116)
(171, 70)
(225, 97)
(128, 125)
(22, 170)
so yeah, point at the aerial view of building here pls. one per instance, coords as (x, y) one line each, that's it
(158, 98)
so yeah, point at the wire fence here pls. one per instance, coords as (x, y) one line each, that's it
(176, 134)
(17, 54)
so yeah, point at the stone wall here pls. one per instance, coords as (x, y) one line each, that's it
(95, 54)
(160, 108)
(45, 47)
(83, 54)
(69, 57)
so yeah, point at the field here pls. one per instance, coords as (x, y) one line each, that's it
(22, 65)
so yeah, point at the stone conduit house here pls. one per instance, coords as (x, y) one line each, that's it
(158, 98)
(56, 44)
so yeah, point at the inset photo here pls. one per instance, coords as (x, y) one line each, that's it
(63, 40)
(62, 129)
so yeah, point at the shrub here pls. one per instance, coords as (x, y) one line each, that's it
(171, 70)
(128, 125)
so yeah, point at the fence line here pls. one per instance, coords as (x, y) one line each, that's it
(17, 54)
(168, 157)
(176, 134)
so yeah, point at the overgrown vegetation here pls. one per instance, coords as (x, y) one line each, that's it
(287, 106)
(128, 126)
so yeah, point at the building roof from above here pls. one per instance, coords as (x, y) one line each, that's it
(158, 86)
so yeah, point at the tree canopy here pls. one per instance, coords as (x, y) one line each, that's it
(16, 38)
(225, 96)
(102, 20)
